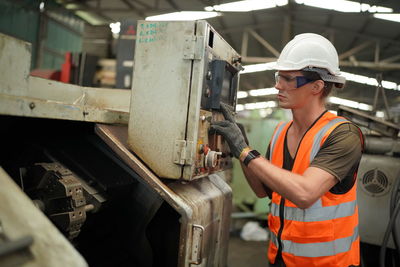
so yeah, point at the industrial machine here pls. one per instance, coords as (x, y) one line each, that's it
(378, 182)
(129, 177)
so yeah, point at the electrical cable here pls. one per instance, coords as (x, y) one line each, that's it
(382, 253)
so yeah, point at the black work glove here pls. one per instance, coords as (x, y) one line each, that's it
(241, 127)
(230, 131)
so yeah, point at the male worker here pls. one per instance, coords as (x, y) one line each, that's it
(310, 165)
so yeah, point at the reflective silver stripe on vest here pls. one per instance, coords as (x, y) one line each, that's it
(316, 213)
(274, 138)
(321, 133)
(318, 249)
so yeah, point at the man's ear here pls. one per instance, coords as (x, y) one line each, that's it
(318, 86)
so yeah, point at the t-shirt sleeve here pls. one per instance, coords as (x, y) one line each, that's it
(341, 152)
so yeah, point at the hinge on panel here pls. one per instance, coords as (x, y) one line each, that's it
(183, 152)
(194, 47)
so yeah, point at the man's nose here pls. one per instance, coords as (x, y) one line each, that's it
(278, 85)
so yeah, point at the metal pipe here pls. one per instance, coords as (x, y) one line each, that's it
(379, 145)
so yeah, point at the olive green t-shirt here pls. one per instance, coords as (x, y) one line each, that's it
(340, 155)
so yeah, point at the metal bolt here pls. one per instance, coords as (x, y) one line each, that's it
(237, 60)
(32, 105)
(207, 93)
(209, 75)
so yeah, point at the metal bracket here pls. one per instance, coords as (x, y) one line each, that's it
(194, 47)
(197, 244)
(183, 152)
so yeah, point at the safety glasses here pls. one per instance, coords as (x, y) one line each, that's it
(300, 80)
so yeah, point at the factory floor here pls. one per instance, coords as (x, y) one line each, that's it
(243, 253)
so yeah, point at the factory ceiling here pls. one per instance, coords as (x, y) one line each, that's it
(367, 45)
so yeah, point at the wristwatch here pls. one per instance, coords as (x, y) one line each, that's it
(250, 156)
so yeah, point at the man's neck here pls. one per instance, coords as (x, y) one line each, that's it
(305, 117)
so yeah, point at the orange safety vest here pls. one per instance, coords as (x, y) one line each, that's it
(325, 234)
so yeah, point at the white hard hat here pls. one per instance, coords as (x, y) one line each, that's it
(311, 51)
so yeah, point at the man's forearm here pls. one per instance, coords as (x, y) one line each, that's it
(255, 183)
(302, 190)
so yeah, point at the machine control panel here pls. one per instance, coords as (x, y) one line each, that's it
(182, 71)
(212, 153)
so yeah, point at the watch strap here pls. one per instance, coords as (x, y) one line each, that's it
(250, 156)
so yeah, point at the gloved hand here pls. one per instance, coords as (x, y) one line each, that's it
(230, 131)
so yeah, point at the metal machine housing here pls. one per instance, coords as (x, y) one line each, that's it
(172, 88)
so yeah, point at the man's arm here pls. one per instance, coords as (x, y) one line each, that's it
(302, 190)
(255, 183)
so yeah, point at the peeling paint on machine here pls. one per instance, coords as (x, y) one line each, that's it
(171, 86)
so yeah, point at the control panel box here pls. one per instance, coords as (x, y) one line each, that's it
(182, 71)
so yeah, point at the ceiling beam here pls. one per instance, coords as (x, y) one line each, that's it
(337, 30)
(356, 49)
(391, 59)
(173, 5)
(143, 4)
(372, 65)
(261, 49)
(362, 30)
(133, 8)
(343, 63)
(262, 41)
(245, 43)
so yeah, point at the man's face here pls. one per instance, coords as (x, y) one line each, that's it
(294, 90)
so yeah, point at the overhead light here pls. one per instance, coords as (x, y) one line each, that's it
(380, 114)
(115, 27)
(265, 112)
(391, 17)
(185, 15)
(91, 18)
(258, 67)
(246, 6)
(242, 94)
(349, 76)
(71, 6)
(349, 103)
(264, 91)
(370, 81)
(239, 107)
(258, 105)
(257, 92)
(41, 6)
(344, 6)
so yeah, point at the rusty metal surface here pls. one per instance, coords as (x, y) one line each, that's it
(204, 205)
(24, 95)
(56, 100)
(15, 62)
(172, 59)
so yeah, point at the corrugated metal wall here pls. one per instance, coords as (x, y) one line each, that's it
(51, 32)
(20, 20)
